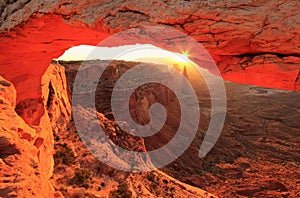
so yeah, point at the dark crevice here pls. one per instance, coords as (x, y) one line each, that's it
(54, 40)
(50, 99)
(5, 83)
(132, 11)
(26, 2)
(280, 55)
(50, 96)
(65, 4)
(175, 38)
(7, 148)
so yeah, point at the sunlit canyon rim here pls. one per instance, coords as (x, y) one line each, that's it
(252, 42)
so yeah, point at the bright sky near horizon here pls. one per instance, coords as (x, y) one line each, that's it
(137, 52)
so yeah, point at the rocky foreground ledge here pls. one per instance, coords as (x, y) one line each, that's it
(26, 136)
(32, 129)
(254, 42)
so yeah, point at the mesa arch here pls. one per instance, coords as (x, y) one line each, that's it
(255, 43)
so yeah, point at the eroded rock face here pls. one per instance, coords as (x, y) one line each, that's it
(26, 135)
(56, 97)
(240, 36)
(252, 42)
(23, 170)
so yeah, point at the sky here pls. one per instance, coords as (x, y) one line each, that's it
(137, 52)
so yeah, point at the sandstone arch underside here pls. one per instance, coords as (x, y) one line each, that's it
(254, 42)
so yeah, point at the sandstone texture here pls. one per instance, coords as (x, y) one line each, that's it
(24, 169)
(73, 157)
(254, 42)
(43, 156)
(257, 149)
(27, 135)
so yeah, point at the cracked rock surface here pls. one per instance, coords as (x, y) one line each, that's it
(250, 40)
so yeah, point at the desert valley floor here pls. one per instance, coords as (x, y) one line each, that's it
(257, 154)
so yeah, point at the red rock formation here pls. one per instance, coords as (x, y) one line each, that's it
(238, 35)
(29, 49)
(255, 42)
(27, 135)
(23, 168)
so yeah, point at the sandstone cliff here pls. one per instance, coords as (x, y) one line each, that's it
(27, 135)
(25, 168)
(30, 130)
(254, 42)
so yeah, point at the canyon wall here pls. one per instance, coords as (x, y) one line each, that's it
(141, 99)
(254, 42)
(26, 135)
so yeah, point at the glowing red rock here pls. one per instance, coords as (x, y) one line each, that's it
(29, 49)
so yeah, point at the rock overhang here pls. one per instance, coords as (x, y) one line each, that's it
(254, 43)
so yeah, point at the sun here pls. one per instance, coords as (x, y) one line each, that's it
(181, 58)
(186, 54)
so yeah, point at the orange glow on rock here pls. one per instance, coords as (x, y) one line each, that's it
(28, 50)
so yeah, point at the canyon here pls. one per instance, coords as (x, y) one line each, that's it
(27, 153)
(259, 136)
(252, 42)
(255, 142)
